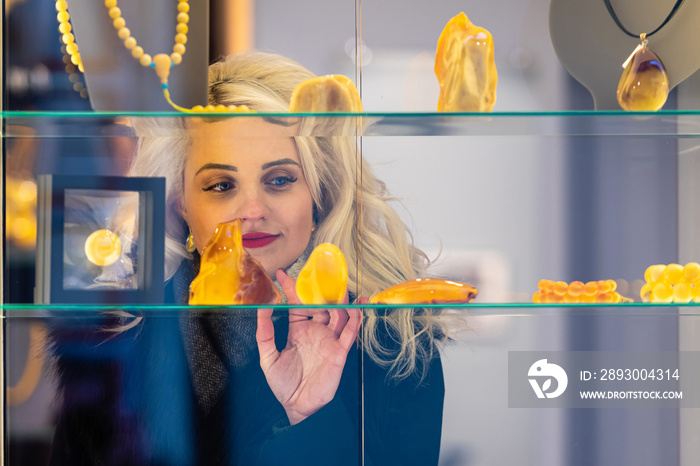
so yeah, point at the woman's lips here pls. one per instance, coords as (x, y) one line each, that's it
(258, 240)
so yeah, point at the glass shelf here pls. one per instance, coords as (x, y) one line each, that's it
(681, 124)
(453, 310)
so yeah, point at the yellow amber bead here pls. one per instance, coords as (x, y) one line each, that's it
(331, 93)
(661, 293)
(221, 108)
(645, 292)
(115, 12)
(137, 52)
(324, 278)
(75, 59)
(560, 288)
(80, 68)
(682, 293)
(123, 33)
(61, 5)
(643, 85)
(537, 297)
(197, 108)
(673, 273)
(72, 48)
(209, 108)
(691, 272)
(130, 43)
(182, 28)
(179, 49)
(162, 62)
(604, 286)
(587, 298)
(183, 7)
(119, 23)
(542, 284)
(590, 288)
(183, 18)
(180, 39)
(695, 293)
(554, 298)
(228, 274)
(62, 16)
(426, 291)
(176, 58)
(146, 60)
(465, 67)
(110, 3)
(569, 298)
(606, 297)
(103, 247)
(575, 288)
(68, 38)
(65, 28)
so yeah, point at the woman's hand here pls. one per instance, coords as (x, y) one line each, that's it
(305, 375)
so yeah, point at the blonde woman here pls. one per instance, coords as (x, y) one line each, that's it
(287, 390)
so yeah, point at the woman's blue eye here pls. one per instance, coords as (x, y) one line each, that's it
(219, 187)
(281, 180)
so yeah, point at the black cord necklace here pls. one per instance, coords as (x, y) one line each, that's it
(619, 23)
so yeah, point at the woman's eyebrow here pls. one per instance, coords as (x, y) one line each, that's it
(216, 166)
(279, 162)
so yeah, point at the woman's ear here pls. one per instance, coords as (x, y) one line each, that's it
(181, 209)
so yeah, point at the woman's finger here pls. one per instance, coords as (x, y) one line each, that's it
(349, 333)
(265, 336)
(338, 317)
(288, 286)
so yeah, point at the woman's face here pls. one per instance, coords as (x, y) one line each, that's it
(250, 169)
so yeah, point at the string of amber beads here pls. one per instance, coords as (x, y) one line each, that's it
(324, 278)
(672, 283)
(465, 67)
(67, 37)
(137, 51)
(426, 291)
(228, 274)
(602, 291)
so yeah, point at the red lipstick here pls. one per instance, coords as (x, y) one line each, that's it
(258, 240)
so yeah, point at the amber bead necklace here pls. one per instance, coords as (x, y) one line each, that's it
(643, 85)
(161, 62)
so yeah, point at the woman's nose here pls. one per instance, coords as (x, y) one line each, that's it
(253, 205)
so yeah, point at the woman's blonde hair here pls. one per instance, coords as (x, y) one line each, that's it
(351, 205)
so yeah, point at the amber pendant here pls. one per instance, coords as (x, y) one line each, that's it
(228, 274)
(644, 83)
(332, 93)
(324, 278)
(465, 67)
(426, 291)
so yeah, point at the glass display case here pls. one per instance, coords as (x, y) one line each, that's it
(543, 187)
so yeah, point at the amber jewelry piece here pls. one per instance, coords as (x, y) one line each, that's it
(324, 278)
(332, 93)
(103, 247)
(228, 274)
(465, 67)
(672, 283)
(426, 291)
(602, 291)
(643, 85)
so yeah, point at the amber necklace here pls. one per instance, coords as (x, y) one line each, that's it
(161, 62)
(643, 85)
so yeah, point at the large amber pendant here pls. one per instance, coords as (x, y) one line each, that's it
(324, 278)
(644, 83)
(228, 274)
(426, 291)
(332, 93)
(465, 67)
